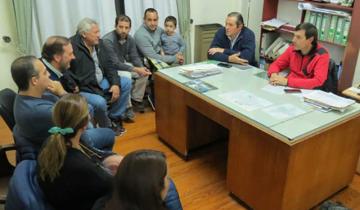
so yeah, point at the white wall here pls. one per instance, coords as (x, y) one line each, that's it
(356, 79)
(7, 51)
(210, 11)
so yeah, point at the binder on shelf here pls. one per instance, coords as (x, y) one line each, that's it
(325, 25)
(307, 16)
(339, 30)
(319, 17)
(313, 18)
(332, 29)
(345, 33)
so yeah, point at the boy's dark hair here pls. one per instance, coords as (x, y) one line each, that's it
(22, 70)
(310, 31)
(124, 18)
(170, 19)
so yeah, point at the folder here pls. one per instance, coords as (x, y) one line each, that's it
(307, 16)
(319, 17)
(345, 31)
(313, 18)
(332, 29)
(339, 30)
(325, 25)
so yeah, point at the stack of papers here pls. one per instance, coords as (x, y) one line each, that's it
(200, 70)
(272, 24)
(328, 100)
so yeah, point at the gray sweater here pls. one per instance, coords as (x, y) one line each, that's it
(172, 44)
(118, 54)
(149, 44)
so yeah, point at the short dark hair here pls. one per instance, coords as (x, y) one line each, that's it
(124, 18)
(239, 18)
(139, 181)
(170, 19)
(54, 45)
(150, 10)
(310, 31)
(22, 70)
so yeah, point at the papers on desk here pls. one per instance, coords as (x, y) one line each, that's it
(245, 100)
(279, 90)
(200, 70)
(355, 90)
(200, 86)
(283, 111)
(328, 100)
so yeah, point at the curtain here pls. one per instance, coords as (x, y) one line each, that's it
(183, 7)
(135, 10)
(60, 17)
(23, 13)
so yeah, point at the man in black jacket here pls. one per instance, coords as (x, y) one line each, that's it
(110, 89)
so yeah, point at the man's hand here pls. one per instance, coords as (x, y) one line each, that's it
(180, 58)
(214, 50)
(276, 79)
(115, 90)
(142, 71)
(56, 88)
(234, 58)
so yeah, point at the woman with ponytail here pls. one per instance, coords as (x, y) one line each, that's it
(71, 175)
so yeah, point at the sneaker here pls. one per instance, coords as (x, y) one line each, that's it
(129, 116)
(138, 106)
(117, 127)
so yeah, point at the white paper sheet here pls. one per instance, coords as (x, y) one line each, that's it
(283, 111)
(246, 100)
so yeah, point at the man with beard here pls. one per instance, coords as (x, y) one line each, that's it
(122, 56)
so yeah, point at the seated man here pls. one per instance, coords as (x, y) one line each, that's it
(57, 53)
(122, 56)
(100, 86)
(307, 60)
(32, 109)
(148, 39)
(233, 43)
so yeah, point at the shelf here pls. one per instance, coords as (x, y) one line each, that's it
(328, 5)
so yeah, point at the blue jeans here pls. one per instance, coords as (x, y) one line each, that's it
(99, 138)
(118, 107)
(99, 106)
(172, 200)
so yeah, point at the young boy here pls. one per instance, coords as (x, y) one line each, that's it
(172, 43)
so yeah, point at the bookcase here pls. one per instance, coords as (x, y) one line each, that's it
(344, 51)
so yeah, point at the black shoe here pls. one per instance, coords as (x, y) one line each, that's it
(117, 127)
(138, 106)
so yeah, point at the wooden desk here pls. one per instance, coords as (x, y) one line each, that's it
(266, 169)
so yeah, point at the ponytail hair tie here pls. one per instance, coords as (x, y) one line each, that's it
(62, 131)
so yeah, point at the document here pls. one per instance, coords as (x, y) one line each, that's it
(246, 100)
(284, 111)
(328, 100)
(200, 70)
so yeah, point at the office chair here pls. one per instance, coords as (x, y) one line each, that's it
(7, 98)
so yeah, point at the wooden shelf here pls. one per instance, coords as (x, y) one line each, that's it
(328, 5)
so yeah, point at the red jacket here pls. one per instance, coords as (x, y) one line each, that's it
(316, 68)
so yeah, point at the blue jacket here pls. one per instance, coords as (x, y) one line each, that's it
(245, 44)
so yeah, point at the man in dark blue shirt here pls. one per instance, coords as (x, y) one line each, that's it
(33, 109)
(233, 43)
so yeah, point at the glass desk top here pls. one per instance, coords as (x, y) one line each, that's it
(266, 106)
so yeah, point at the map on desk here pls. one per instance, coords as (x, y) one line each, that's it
(200, 86)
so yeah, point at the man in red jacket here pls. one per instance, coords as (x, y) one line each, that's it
(307, 60)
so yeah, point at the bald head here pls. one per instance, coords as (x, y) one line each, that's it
(58, 51)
